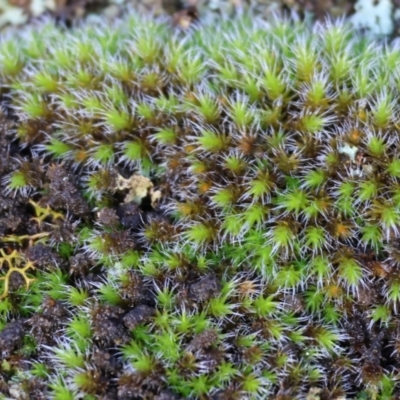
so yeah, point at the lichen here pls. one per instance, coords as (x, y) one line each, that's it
(374, 16)
(268, 268)
(138, 187)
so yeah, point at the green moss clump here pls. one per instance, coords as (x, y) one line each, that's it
(260, 260)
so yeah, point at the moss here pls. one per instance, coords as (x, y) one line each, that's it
(211, 213)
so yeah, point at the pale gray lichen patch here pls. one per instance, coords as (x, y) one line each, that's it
(349, 150)
(374, 15)
(138, 187)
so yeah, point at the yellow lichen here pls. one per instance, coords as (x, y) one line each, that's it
(44, 212)
(21, 238)
(14, 262)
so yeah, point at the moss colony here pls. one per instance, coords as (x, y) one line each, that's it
(209, 214)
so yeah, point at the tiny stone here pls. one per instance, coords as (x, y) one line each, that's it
(11, 338)
(203, 340)
(138, 315)
(107, 325)
(130, 216)
(206, 288)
